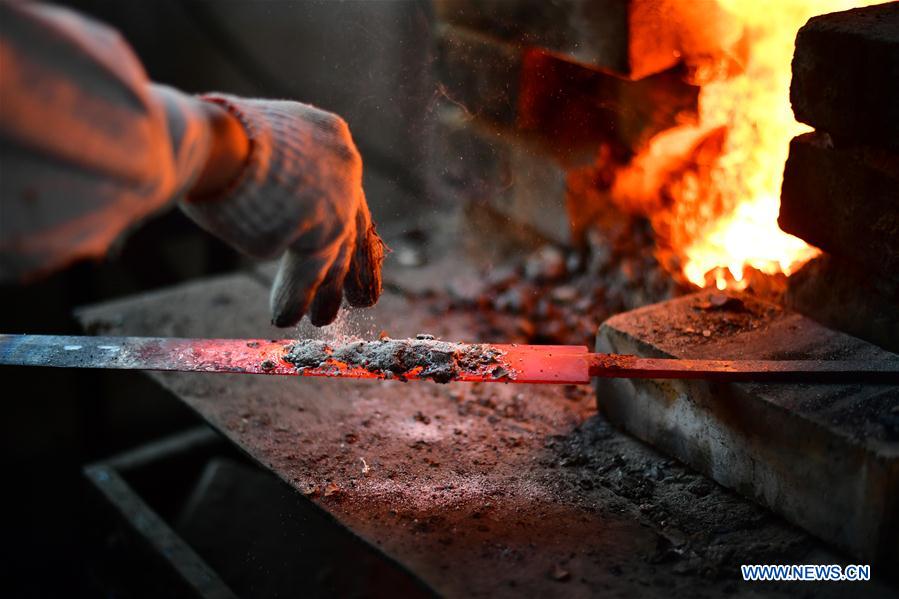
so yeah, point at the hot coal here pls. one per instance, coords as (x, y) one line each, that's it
(560, 296)
(556, 296)
(440, 361)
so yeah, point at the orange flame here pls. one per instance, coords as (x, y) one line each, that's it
(712, 189)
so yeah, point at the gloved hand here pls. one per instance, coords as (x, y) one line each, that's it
(300, 195)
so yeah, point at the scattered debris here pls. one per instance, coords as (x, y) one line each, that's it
(559, 573)
(557, 296)
(546, 264)
(409, 257)
(308, 489)
(721, 301)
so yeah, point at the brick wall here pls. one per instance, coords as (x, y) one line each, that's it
(540, 97)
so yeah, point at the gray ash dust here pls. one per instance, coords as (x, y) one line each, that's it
(439, 361)
(307, 353)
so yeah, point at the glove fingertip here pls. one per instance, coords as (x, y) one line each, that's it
(363, 287)
(293, 288)
(325, 308)
(284, 320)
(287, 310)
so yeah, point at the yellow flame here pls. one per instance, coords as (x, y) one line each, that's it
(754, 107)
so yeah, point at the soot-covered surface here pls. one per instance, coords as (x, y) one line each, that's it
(826, 456)
(478, 489)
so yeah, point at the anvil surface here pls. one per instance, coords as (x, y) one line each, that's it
(478, 490)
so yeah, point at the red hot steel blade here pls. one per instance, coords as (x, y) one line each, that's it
(410, 359)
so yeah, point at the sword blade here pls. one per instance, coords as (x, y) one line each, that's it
(145, 353)
(548, 364)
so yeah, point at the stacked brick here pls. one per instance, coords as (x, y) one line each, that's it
(541, 97)
(841, 182)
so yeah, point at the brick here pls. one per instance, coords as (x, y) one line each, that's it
(826, 457)
(569, 103)
(838, 294)
(846, 74)
(632, 38)
(511, 175)
(844, 200)
(562, 102)
(482, 167)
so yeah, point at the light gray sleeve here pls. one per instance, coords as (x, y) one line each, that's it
(88, 146)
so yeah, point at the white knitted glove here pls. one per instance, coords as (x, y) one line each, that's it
(299, 195)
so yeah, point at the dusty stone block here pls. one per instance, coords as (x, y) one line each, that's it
(482, 167)
(840, 295)
(844, 200)
(846, 74)
(826, 457)
(511, 175)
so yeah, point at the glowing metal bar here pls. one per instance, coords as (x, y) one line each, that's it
(550, 364)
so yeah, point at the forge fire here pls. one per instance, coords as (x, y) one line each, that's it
(653, 246)
(711, 188)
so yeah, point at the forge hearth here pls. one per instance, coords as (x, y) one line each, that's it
(554, 114)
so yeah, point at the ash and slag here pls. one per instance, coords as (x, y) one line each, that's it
(422, 357)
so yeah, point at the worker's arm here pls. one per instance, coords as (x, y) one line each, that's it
(89, 147)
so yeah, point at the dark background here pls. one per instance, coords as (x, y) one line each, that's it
(366, 60)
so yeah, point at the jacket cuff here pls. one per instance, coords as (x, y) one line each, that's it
(257, 213)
